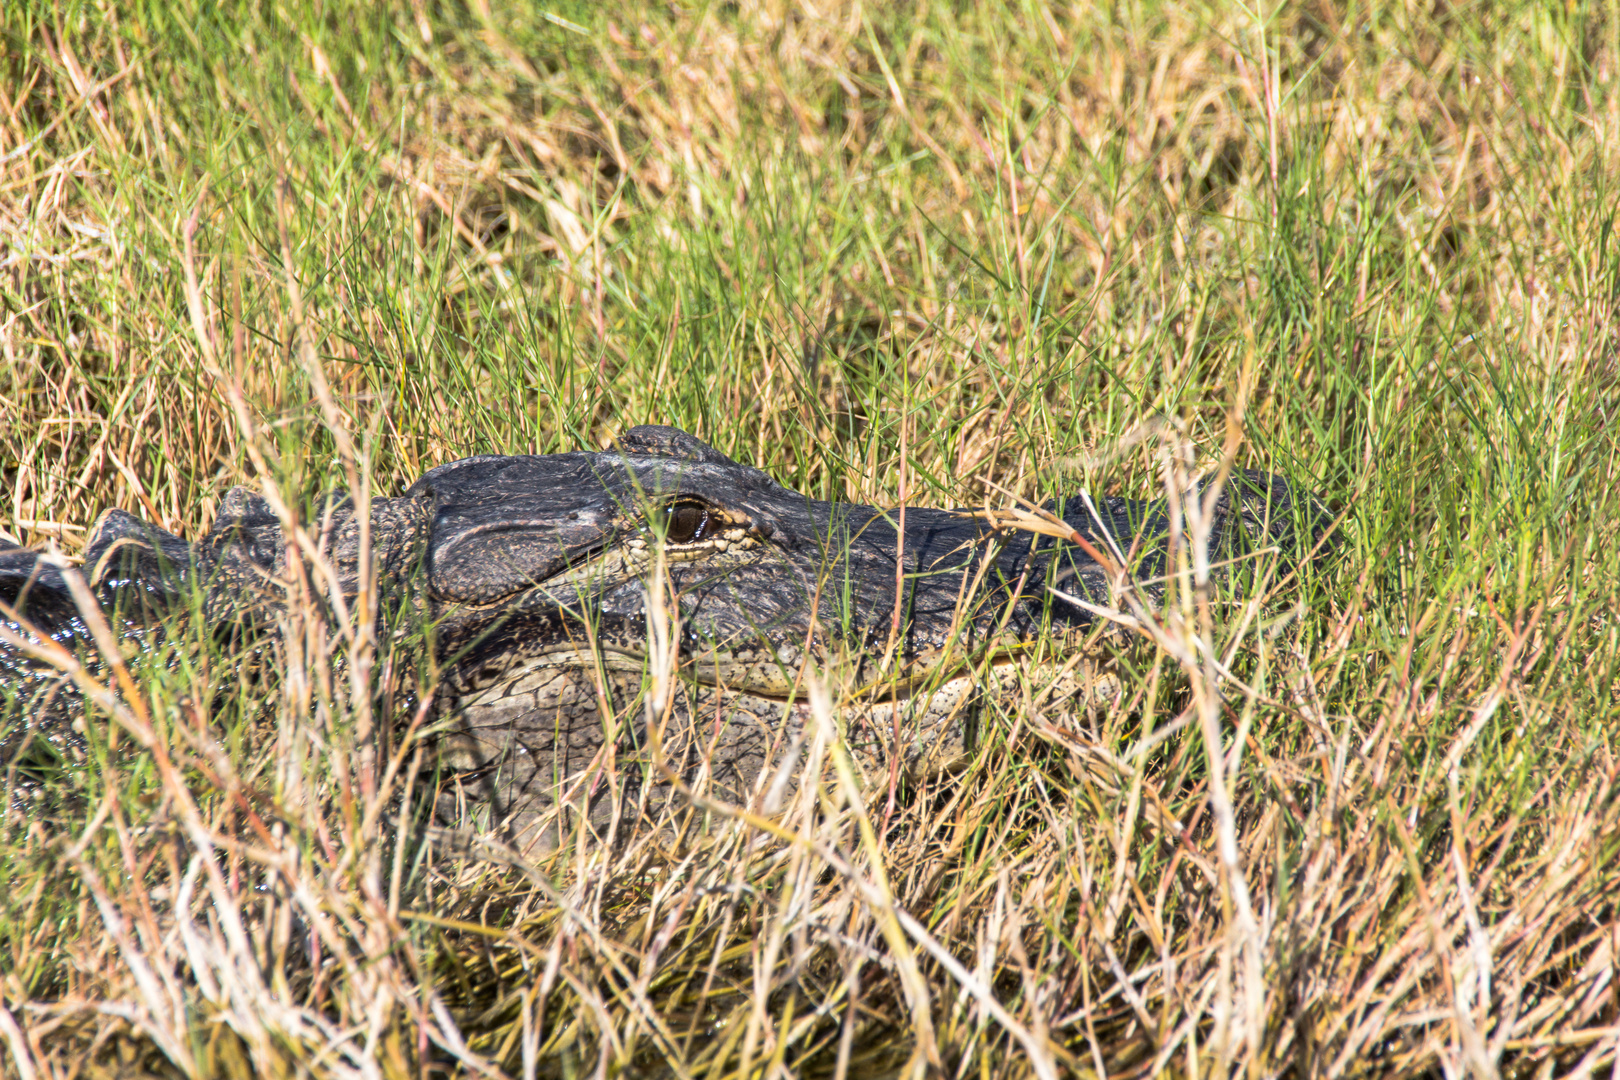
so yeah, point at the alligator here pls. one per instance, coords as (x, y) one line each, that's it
(535, 575)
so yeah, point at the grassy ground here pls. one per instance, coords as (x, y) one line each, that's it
(881, 253)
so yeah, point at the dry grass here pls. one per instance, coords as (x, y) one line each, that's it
(883, 255)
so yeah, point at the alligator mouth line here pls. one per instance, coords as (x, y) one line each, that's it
(634, 556)
(740, 676)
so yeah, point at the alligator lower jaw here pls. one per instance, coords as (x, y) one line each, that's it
(558, 742)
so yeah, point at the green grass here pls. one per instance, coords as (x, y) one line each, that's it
(1377, 239)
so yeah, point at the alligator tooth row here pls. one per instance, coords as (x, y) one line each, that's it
(725, 542)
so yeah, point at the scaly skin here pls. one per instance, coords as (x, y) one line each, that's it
(534, 574)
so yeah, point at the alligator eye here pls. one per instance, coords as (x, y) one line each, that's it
(688, 521)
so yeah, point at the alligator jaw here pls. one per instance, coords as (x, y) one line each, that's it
(534, 752)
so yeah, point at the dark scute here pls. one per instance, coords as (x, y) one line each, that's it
(246, 529)
(123, 543)
(485, 567)
(501, 524)
(660, 441)
(243, 507)
(34, 589)
(1260, 510)
(136, 566)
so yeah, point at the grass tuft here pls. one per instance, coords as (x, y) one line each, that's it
(955, 256)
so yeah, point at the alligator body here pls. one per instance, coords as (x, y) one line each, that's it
(534, 574)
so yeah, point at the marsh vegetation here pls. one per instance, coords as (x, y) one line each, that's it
(946, 255)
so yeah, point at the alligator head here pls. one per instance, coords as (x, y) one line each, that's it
(535, 575)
